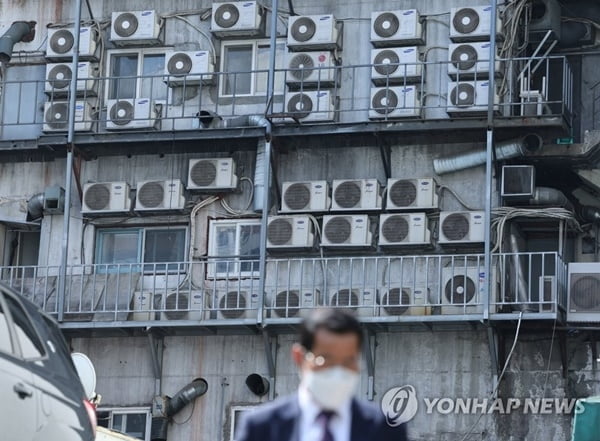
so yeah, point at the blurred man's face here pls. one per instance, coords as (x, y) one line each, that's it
(329, 350)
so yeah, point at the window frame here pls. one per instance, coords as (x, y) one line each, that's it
(141, 265)
(279, 86)
(234, 268)
(128, 411)
(140, 52)
(234, 422)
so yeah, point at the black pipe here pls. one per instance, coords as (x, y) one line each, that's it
(18, 31)
(186, 395)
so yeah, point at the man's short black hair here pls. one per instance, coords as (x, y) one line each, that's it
(335, 320)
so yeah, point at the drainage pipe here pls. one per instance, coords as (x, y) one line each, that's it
(504, 150)
(18, 31)
(35, 206)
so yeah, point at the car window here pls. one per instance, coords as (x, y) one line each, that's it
(31, 346)
(5, 344)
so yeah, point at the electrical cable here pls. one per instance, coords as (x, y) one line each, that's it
(457, 197)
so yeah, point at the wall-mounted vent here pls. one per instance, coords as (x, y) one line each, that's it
(106, 197)
(518, 182)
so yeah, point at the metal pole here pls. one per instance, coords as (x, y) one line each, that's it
(267, 165)
(488, 164)
(62, 279)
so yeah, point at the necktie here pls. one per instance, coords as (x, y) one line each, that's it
(324, 418)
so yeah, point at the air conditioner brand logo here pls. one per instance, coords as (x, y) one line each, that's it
(142, 101)
(201, 54)
(417, 218)
(487, 8)
(247, 4)
(84, 30)
(318, 186)
(485, 45)
(408, 51)
(146, 13)
(80, 65)
(408, 12)
(399, 405)
(477, 217)
(358, 221)
(325, 18)
(321, 94)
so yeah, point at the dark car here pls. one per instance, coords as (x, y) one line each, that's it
(41, 396)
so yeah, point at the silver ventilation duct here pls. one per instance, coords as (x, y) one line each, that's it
(18, 31)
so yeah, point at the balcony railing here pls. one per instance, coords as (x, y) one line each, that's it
(420, 288)
(526, 88)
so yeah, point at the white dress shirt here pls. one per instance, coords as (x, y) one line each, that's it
(312, 430)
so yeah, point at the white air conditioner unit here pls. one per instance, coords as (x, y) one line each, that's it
(346, 231)
(61, 42)
(518, 182)
(361, 301)
(396, 28)
(183, 305)
(584, 292)
(290, 232)
(471, 60)
(548, 294)
(159, 195)
(143, 306)
(469, 97)
(473, 23)
(307, 196)
(395, 65)
(311, 69)
(403, 229)
(355, 194)
(396, 301)
(411, 194)
(106, 197)
(56, 116)
(243, 18)
(212, 174)
(188, 68)
(395, 102)
(313, 32)
(126, 114)
(59, 75)
(233, 304)
(288, 303)
(310, 106)
(464, 227)
(462, 289)
(135, 27)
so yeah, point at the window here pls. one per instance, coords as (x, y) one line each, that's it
(237, 413)
(133, 422)
(5, 343)
(118, 249)
(236, 244)
(136, 74)
(29, 342)
(245, 65)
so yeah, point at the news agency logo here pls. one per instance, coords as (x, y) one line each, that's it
(400, 405)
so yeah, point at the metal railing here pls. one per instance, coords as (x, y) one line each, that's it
(527, 87)
(383, 288)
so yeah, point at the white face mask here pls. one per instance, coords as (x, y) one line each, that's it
(331, 387)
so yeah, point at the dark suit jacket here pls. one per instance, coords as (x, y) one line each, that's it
(279, 420)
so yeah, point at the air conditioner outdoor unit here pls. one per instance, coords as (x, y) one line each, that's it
(313, 32)
(106, 197)
(346, 231)
(411, 194)
(294, 302)
(290, 232)
(355, 194)
(518, 182)
(188, 68)
(462, 290)
(125, 114)
(212, 174)
(159, 195)
(61, 41)
(143, 308)
(584, 292)
(56, 116)
(135, 27)
(395, 102)
(545, 16)
(458, 227)
(396, 28)
(311, 69)
(471, 60)
(243, 18)
(403, 229)
(183, 305)
(404, 301)
(395, 65)
(307, 196)
(362, 301)
(473, 23)
(233, 304)
(59, 75)
(469, 97)
(309, 106)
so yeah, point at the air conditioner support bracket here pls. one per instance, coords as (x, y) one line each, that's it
(156, 343)
(271, 355)
(370, 344)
